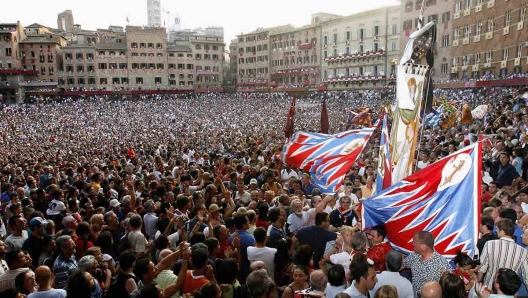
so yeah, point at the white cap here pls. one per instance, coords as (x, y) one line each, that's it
(114, 203)
(253, 181)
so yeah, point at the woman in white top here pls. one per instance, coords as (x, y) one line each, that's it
(343, 248)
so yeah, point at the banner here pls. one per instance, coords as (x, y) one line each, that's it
(384, 170)
(406, 121)
(443, 198)
(328, 158)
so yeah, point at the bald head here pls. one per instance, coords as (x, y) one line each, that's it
(164, 253)
(431, 289)
(257, 265)
(43, 276)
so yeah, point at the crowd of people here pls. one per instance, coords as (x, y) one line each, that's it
(185, 195)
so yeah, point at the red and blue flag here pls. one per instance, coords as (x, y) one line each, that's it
(443, 198)
(328, 158)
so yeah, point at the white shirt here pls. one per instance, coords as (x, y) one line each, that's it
(297, 222)
(55, 207)
(422, 164)
(264, 254)
(342, 258)
(403, 285)
(332, 291)
(174, 238)
(150, 220)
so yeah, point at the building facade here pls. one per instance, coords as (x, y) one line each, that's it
(295, 55)
(357, 50)
(10, 36)
(253, 60)
(154, 13)
(440, 12)
(489, 38)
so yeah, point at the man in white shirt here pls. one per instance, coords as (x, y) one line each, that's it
(393, 263)
(260, 252)
(298, 218)
(150, 219)
(424, 160)
(16, 239)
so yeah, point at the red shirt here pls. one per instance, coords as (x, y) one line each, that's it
(377, 254)
(261, 223)
(465, 276)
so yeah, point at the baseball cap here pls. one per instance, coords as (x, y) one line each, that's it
(37, 222)
(114, 203)
(253, 181)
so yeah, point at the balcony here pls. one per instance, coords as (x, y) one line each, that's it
(464, 67)
(475, 67)
(465, 40)
(478, 8)
(456, 15)
(517, 62)
(352, 56)
(467, 12)
(454, 69)
(491, 3)
(505, 30)
(520, 26)
(455, 43)
(37, 84)
(355, 79)
(487, 65)
(306, 46)
(489, 35)
(504, 64)
(476, 38)
(301, 71)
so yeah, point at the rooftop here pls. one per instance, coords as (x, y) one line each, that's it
(37, 25)
(179, 48)
(111, 46)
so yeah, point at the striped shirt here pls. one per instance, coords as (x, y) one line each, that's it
(502, 253)
(62, 268)
(7, 279)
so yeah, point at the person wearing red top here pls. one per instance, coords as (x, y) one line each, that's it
(465, 269)
(380, 247)
(486, 196)
(222, 234)
(261, 220)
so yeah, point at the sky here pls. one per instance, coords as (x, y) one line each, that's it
(235, 16)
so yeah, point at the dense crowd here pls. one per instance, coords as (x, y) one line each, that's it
(184, 195)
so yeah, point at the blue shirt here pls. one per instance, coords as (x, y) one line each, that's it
(246, 240)
(316, 237)
(62, 268)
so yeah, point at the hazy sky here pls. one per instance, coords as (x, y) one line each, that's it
(235, 16)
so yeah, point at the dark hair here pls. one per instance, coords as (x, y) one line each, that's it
(240, 220)
(380, 230)
(12, 257)
(12, 219)
(197, 238)
(508, 213)
(488, 222)
(260, 235)
(141, 268)
(320, 218)
(78, 286)
(283, 246)
(462, 259)
(182, 201)
(197, 207)
(104, 241)
(336, 275)
(263, 213)
(83, 229)
(127, 259)
(150, 290)
(161, 242)
(19, 283)
(199, 258)
(229, 269)
(135, 221)
(208, 290)
(506, 225)
(211, 243)
(394, 261)
(9, 293)
(229, 223)
(452, 286)
(359, 267)
(509, 282)
(304, 255)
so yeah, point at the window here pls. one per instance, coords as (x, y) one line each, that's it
(446, 16)
(376, 30)
(115, 81)
(347, 37)
(91, 81)
(489, 56)
(71, 81)
(79, 56)
(416, 22)
(102, 66)
(347, 50)
(507, 18)
(394, 46)
(159, 46)
(51, 70)
(325, 40)
(505, 53)
(522, 14)
(432, 18)
(394, 28)
(456, 34)
(361, 34)
(467, 4)
(478, 28)
(489, 25)
(198, 56)
(157, 80)
(43, 70)
(476, 58)
(335, 37)
(445, 40)
(124, 80)
(160, 66)
(454, 61)
(361, 50)
(139, 81)
(376, 47)
(134, 45)
(458, 6)
(467, 31)
(325, 54)
(150, 45)
(80, 68)
(335, 53)
(445, 67)
(407, 25)
(102, 81)
(142, 45)
(519, 50)
(8, 52)
(80, 81)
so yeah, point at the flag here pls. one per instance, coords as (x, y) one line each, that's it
(480, 111)
(327, 157)
(325, 126)
(466, 117)
(384, 170)
(443, 198)
(360, 117)
(288, 130)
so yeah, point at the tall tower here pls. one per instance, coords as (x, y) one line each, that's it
(154, 13)
(65, 21)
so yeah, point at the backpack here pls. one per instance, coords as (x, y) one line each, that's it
(123, 244)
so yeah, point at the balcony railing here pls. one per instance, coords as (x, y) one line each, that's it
(341, 57)
(357, 78)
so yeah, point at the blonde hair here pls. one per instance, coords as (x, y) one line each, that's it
(97, 220)
(344, 229)
(387, 291)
